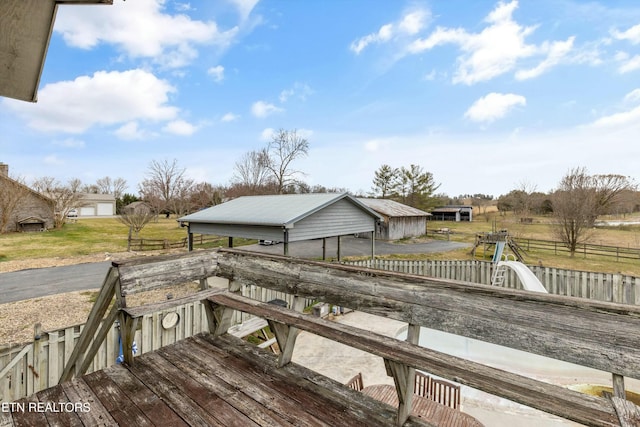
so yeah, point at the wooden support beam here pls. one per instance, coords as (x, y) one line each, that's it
(100, 307)
(288, 335)
(618, 386)
(128, 326)
(107, 324)
(404, 378)
(569, 404)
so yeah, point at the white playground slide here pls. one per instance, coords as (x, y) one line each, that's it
(529, 280)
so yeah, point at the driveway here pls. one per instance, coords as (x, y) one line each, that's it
(353, 246)
(40, 282)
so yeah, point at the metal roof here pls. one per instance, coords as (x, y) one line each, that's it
(392, 208)
(25, 30)
(275, 210)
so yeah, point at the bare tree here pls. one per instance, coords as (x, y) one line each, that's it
(285, 147)
(66, 197)
(115, 186)
(136, 217)
(164, 184)
(251, 170)
(578, 201)
(13, 192)
(205, 195)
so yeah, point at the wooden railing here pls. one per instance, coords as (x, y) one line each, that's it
(603, 336)
(598, 335)
(29, 368)
(609, 287)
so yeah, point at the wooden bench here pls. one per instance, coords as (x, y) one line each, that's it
(134, 276)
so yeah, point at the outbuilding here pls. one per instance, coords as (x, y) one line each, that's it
(453, 213)
(286, 218)
(400, 221)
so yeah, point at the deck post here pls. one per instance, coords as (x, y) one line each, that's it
(618, 386)
(404, 378)
(287, 335)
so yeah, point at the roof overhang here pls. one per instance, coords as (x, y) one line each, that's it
(25, 31)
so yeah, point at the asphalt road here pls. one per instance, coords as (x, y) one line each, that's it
(39, 282)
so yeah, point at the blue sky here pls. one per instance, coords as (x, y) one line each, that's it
(486, 95)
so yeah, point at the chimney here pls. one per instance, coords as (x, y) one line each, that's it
(4, 169)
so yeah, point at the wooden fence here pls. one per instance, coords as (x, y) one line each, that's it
(610, 287)
(584, 249)
(26, 369)
(156, 244)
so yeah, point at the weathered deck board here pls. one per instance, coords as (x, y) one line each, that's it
(150, 404)
(207, 381)
(63, 418)
(109, 394)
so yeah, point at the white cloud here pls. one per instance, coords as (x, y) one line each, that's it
(52, 160)
(494, 106)
(411, 23)
(299, 90)
(70, 143)
(140, 29)
(496, 49)
(263, 109)
(217, 73)
(633, 96)
(106, 98)
(267, 134)
(622, 119)
(244, 7)
(632, 34)
(229, 117)
(628, 64)
(376, 144)
(180, 127)
(556, 52)
(130, 131)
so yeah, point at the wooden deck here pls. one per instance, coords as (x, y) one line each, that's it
(202, 381)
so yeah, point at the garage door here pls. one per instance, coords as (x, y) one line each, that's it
(105, 209)
(88, 211)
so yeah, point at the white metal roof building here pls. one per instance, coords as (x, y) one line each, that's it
(285, 218)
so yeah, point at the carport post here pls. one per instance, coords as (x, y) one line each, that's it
(189, 239)
(373, 245)
(339, 254)
(324, 248)
(286, 242)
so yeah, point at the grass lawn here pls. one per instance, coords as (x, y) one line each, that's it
(84, 237)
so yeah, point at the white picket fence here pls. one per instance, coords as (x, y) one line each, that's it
(27, 369)
(610, 287)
